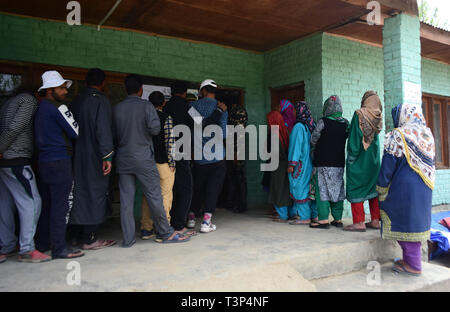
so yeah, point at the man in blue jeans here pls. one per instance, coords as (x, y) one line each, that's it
(55, 127)
(18, 188)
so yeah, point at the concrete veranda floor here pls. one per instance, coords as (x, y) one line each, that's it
(248, 252)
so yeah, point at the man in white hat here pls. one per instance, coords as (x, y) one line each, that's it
(211, 168)
(55, 127)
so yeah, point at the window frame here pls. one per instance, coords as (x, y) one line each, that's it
(428, 102)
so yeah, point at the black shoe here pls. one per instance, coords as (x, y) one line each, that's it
(337, 224)
(320, 226)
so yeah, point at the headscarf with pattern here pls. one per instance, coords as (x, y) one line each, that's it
(304, 115)
(370, 117)
(287, 110)
(413, 139)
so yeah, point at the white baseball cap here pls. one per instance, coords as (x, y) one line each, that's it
(53, 79)
(208, 82)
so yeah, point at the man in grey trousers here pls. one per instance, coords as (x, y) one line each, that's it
(135, 122)
(18, 188)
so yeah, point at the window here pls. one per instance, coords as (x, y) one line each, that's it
(9, 84)
(437, 113)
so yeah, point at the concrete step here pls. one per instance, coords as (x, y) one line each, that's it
(434, 278)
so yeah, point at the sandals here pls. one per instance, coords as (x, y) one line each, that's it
(69, 254)
(280, 220)
(370, 226)
(187, 233)
(176, 239)
(99, 245)
(337, 224)
(400, 268)
(325, 226)
(351, 228)
(299, 222)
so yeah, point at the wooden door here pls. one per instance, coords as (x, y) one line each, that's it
(294, 93)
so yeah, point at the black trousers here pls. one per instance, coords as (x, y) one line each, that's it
(85, 234)
(208, 184)
(55, 186)
(182, 197)
(236, 186)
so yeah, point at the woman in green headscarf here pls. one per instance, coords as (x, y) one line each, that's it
(328, 142)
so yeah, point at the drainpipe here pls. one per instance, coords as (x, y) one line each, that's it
(109, 14)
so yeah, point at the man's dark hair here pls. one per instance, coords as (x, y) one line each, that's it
(156, 98)
(210, 89)
(95, 77)
(133, 84)
(178, 88)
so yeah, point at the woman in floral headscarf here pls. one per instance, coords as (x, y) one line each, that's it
(405, 185)
(279, 182)
(328, 141)
(287, 110)
(300, 165)
(363, 162)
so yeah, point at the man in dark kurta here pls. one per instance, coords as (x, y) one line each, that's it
(92, 160)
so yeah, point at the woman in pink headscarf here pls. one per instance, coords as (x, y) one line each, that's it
(287, 110)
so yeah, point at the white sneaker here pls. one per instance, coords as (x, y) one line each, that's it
(191, 224)
(207, 227)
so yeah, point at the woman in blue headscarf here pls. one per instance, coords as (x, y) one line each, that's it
(300, 165)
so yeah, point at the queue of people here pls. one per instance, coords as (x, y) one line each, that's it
(309, 182)
(72, 150)
(56, 164)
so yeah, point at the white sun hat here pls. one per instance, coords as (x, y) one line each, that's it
(208, 82)
(53, 79)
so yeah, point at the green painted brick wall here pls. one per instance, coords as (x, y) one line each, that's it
(298, 61)
(40, 41)
(328, 65)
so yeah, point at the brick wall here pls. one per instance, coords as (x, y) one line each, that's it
(40, 41)
(327, 64)
(298, 61)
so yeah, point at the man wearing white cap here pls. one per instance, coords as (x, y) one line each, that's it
(55, 127)
(210, 169)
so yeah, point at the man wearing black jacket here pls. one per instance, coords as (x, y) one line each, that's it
(178, 108)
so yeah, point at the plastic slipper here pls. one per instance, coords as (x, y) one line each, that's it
(280, 220)
(402, 270)
(299, 222)
(370, 226)
(352, 229)
(188, 233)
(176, 239)
(337, 224)
(325, 226)
(69, 254)
(104, 244)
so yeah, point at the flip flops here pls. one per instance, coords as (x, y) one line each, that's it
(337, 224)
(100, 245)
(325, 226)
(69, 254)
(299, 222)
(351, 228)
(370, 226)
(400, 268)
(188, 233)
(176, 239)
